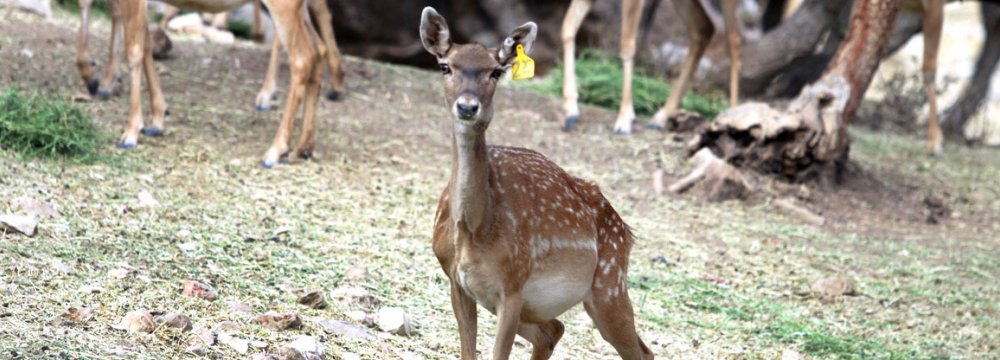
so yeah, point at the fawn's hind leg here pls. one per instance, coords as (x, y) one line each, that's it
(543, 337)
(614, 318)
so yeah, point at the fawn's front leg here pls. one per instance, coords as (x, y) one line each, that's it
(508, 319)
(465, 312)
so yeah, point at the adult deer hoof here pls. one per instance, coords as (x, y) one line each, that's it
(266, 164)
(333, 95)
(570, 122)
(103, 94)
(262, 107)
(92, 86)
(657, 127)
(152, 131)
(621, 132)
(305, 154)
(125, 145)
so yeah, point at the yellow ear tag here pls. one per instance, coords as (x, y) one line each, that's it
(523, 67)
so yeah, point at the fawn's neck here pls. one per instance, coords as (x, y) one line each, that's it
(471, 197)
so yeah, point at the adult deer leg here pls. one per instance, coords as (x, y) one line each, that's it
(258, 26)
(135, 49)
(321, 12)
(700, 31)
(933, 21)
(733, 40)
(543, 337)
(302, 57)
(304, 149)
(83, 62)
(266, 93)
(631, 12)
(110, 77)
(578, 10)
(158, 106)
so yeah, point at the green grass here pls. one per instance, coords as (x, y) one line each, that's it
(599, 77)
(99, 7)
(36, 126)
(767, 320)
(240, 29)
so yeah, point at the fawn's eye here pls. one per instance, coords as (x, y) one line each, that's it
(497, 74)
(445, 69)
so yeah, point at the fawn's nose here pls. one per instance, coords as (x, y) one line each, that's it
(466, 107)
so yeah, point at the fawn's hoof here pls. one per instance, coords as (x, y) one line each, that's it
(266, 164)
(621, 132)
(333, 95)
(262, 107)
(305, 154)
(152, 131)
(570, 122)
(125, 145)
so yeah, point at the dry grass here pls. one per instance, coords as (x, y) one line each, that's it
(925, 291)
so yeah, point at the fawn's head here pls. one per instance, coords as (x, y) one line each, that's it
(471, 71)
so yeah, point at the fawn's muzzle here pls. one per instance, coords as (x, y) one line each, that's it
(466, 107)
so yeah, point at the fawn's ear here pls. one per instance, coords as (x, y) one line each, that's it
(434, 33)
(523, 35)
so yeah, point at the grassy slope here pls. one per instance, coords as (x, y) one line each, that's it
(369, 200)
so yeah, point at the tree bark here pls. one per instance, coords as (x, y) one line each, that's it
(792, 41)
(954, 119)
(809, 139)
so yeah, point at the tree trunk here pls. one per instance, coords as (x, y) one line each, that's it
(809, 139)
(954, 119)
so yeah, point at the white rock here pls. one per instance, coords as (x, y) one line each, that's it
(118, 273)
(189, 246)
(240, 345)
(217, 36)
(394, 320)
(789, 354)
(62, 267)
(26, 225)
(37, 208)
(190, 23)
(344, 355)
(146, 199)
(303, 347)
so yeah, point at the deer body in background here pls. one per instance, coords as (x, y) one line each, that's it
(699, 30)
(514, 232)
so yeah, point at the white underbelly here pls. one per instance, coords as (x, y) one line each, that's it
(547, 296)
(212, 6)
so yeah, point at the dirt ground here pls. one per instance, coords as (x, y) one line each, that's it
(708, 280)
